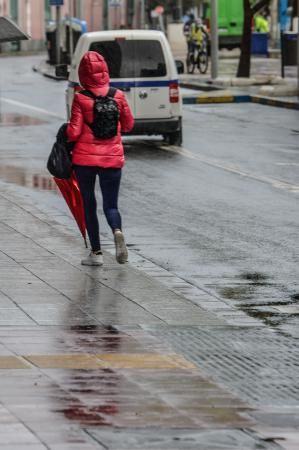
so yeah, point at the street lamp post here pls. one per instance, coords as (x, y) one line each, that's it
(214, 39)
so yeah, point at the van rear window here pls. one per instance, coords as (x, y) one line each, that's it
(132, 58)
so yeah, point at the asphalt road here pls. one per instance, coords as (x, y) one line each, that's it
(220, 212)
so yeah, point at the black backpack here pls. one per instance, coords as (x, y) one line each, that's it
(105, 114)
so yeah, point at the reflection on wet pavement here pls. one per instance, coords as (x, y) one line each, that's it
(56, 401)
(27, 178)
(15, 119)
(253, 295)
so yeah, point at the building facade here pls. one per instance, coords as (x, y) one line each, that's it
(34, 16)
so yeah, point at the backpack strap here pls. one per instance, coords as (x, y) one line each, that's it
(88, 94)
(111, 93)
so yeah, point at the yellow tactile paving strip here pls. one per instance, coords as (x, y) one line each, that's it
(91, 361)
(75, 361)
(144, 361)
(13, 362)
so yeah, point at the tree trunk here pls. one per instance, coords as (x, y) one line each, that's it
(249, 12)
(244, 62)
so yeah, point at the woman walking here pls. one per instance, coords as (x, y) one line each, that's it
(94, 157)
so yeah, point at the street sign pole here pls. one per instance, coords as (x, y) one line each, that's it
(57, 34)
(57, 4)
(71, 32)
(142, 6)
(214, 39)
(180, 9)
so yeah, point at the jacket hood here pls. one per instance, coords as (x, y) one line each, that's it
(93, 71)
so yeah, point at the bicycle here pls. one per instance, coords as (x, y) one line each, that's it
(198, 57)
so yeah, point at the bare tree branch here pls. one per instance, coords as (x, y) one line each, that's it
(258, 6)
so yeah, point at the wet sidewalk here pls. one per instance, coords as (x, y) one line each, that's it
(128, 357)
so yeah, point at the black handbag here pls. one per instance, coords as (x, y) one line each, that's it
(59, 162)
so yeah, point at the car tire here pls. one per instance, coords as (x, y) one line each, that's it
(175, 138)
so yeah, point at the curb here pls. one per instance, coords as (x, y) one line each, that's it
(206, 99)
(272, 102)
(217, 99)
(47, 74)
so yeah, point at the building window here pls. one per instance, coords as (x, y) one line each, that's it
(14, 10)
(47, 11)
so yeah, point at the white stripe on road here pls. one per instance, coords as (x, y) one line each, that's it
(33, 108)
(287, 164)
(232, 168)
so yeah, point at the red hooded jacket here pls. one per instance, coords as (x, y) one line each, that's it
(89, 150)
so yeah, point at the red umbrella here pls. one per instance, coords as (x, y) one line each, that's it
(71, 192)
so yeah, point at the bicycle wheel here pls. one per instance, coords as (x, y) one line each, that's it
(203, 61)
(190, 63)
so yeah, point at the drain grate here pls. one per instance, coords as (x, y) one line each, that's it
(177, 439)
(257, 364)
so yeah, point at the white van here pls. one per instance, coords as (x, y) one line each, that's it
(141, 64)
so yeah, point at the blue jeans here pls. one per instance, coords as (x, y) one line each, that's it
(109, 184)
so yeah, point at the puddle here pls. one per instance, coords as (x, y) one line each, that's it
(237, 293)
(258, 298)
(270, 303)
(27, 178)
(17, 120)
(255, 277)
(273, 312)
(295, 298)
(269, 318)
(245, 291)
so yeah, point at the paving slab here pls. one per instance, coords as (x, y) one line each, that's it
(174, 439)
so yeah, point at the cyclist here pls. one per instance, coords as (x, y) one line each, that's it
(187, 31)
(198, 34)
(197, 51)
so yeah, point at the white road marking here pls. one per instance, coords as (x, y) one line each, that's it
(279, 184)
(33, 108)
(287, 164)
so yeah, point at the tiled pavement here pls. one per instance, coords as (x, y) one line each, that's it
(86, 354)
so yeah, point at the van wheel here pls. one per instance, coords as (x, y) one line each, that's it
(175, 138)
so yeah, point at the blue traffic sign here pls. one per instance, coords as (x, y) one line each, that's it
(56, 2)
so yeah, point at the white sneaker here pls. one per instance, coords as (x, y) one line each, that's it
(121, 252)
(93, 259)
